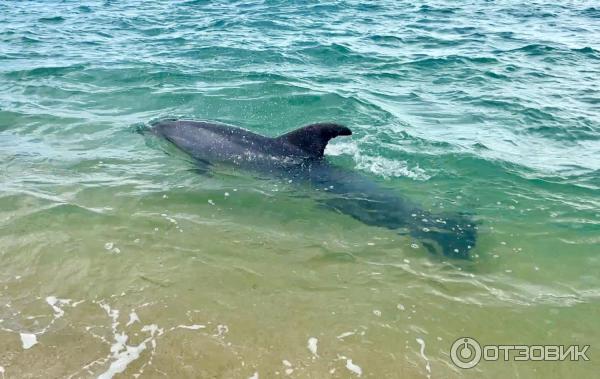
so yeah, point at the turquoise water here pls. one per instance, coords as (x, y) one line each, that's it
(117, 256)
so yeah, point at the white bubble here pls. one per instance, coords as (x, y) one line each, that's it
(312, 345)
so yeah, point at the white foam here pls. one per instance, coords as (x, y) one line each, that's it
(123, 359)
(112, 313)
(55, 303)
(120, 341)
(353, 367)
(312, 345)
(427, 365)
(378, 165)
(346, 334)
(192, 327)
(2, 371)
(153, 328)
(255, 376)
(133, 317)
(28, 340)
(110, 246)
(122, 353)
(222, 330)
(170, 219)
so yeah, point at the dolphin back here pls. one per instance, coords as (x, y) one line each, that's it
(213, 141)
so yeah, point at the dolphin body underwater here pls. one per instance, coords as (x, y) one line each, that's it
(298, 156)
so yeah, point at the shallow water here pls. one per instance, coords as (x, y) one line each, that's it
(111, 240)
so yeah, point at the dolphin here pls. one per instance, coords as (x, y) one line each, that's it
(299, 156)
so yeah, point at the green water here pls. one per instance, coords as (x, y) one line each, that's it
(111, 240)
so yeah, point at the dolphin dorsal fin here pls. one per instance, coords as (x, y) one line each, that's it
(313, 138)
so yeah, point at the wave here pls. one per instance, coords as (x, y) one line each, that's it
(535, 49)
(38, 72)
(428, 9)
(332, 54)
(28, 40)
(591, 12)
(52, 20)
(84, 9)
(450, 60)
(389, 39)
(588, 51)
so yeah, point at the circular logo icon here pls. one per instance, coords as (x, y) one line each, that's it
(465, 352)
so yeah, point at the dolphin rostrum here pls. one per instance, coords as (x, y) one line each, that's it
(298, 156)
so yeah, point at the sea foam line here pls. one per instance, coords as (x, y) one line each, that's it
(421, 343)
